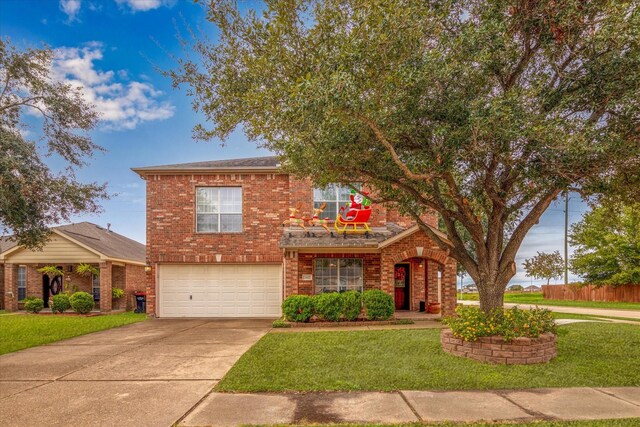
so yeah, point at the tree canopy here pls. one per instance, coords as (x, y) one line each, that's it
(545, 266)
(32, 197)
(608, 245)
(482, 110)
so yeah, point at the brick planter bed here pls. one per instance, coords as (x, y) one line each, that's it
(520, 351)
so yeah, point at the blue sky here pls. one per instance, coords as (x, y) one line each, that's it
(112, 48)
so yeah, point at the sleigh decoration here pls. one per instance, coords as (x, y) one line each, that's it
(354, 218)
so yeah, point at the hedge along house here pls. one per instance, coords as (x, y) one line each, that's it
(119, 260)
(221, 242)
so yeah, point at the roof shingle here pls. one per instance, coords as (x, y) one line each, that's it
(249, 163)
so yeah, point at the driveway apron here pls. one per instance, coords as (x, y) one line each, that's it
(149, 373)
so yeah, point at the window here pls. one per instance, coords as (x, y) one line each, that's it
(95, 286)
(335, 196)
(338, 274)
(22, 282)
(219, 209)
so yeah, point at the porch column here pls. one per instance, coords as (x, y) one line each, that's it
(10, 287)
(432, 281)
(105, 286)
(290, 274)
(449, 288)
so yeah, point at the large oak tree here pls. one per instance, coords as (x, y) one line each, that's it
(32, 196)
(482, 110)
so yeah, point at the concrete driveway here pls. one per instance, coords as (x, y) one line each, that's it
(150, 373)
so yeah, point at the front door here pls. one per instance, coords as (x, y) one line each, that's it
(45, 289)
(401, 283)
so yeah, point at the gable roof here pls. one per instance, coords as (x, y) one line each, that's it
(267, 164)
(106, 243)
(6, 243)
(409, 231)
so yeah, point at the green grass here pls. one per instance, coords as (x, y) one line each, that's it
(29, 330)
(590, 355)
(537, 298)
(625, 422)
(591, 317)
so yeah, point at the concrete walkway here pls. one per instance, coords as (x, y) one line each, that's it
(145, 374)
(222, 409)
(629, 314)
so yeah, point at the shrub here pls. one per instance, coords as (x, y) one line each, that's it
(33, 304)
(378, 304)
(280, 324)
(117, 293)
(81, 302)
(329, 306)
(473, 323)
(61, 303)
(352, 305)
(297, 308)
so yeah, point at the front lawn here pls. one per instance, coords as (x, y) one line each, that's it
(590, 355)
(537, 298)
(29, 330)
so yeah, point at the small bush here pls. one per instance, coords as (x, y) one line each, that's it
(33, 304)
(117, 293)
(473, 323)
(329, 306)
(61, 303)
(297, 308)
(378, 304)
(352, 305)
(280, 324)
(81, 302)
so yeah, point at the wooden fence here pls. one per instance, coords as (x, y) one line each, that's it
(623, 293)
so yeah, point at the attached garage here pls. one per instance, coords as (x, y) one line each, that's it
(241, 290)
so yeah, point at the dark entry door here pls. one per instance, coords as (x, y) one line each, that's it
(45, 289)
(401, 284)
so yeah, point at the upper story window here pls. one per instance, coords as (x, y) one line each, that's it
(219, 209)
(22, 282)
(335, 196)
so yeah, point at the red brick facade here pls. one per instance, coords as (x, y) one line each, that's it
(129, 277)
(266, 197)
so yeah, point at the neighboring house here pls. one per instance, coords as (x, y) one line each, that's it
(470, 289)
(120, 260)
(217, 247)
(533, 288)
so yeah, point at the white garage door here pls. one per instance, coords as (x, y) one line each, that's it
(220, 290)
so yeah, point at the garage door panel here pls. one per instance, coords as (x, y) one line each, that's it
(220, 290)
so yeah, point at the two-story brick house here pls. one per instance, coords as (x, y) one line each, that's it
(217, 246)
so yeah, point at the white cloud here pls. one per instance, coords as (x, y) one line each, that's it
(70, 8)
(123, 104)
(145, 5)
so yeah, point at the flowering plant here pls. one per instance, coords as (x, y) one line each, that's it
(472, 323)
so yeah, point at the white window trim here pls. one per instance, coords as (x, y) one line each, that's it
(95, 279)
(315, 275)
(219, 214)
(24, 284)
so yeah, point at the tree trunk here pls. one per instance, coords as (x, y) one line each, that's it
(491, 296)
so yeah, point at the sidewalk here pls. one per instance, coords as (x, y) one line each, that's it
(630, 314)
(225, 409)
